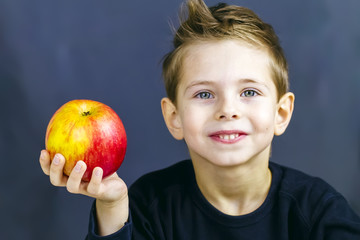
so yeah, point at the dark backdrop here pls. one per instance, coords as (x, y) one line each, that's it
(55, 51)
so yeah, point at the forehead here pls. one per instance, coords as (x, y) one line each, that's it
(224, 61)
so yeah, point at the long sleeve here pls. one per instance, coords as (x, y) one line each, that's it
(123, 234)
(335, 220)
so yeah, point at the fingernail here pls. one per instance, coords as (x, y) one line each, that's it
(97, 172)
(56, 159)
(77, 167)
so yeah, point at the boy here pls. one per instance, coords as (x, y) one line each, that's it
(227, 87)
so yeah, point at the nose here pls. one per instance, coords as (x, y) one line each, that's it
(227, 110)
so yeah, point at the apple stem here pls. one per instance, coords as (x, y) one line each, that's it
(86, 113)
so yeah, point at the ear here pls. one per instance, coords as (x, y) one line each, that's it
(284, 112)
(172, 118)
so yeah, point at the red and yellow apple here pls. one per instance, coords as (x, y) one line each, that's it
(90, 131)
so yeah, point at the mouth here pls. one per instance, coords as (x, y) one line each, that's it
(231, 136)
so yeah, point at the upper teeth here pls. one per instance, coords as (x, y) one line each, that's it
(229, 137)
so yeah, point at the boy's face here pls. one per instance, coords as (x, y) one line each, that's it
(227, 109)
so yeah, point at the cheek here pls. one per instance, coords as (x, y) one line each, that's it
(263, 119)
(190, 122)
(193, 120)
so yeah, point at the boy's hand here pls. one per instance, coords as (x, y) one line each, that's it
(112, 204)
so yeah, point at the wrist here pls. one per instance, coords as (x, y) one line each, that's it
(110, 204)
(111, 215)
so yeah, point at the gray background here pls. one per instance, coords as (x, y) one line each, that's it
(55, 51)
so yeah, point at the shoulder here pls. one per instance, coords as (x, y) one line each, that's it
(309, 197)
(301, 186)
(155, 183)
(317, 205)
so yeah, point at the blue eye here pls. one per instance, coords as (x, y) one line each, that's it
(204, 95)
(249, 93)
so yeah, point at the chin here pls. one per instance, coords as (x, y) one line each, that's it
(226, 163)
(219, 161)
(230, 160)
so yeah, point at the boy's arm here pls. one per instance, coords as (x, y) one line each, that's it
(112, 204)
(125, 233)
(111, 216)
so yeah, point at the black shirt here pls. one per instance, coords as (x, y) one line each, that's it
(167, 204)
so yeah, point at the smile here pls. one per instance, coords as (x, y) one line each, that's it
(228, 136)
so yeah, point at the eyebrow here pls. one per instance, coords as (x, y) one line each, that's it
(242, 80)
(201, 82)
(249, 80)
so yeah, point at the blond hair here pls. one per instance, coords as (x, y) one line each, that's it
(221, 22)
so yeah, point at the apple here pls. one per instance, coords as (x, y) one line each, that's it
(90, 131)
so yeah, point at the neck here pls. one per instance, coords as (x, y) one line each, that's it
(234, 190)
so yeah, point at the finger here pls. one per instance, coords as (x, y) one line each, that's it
(74, 181)
(57, 177)
(95, 182)
(44, 160)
